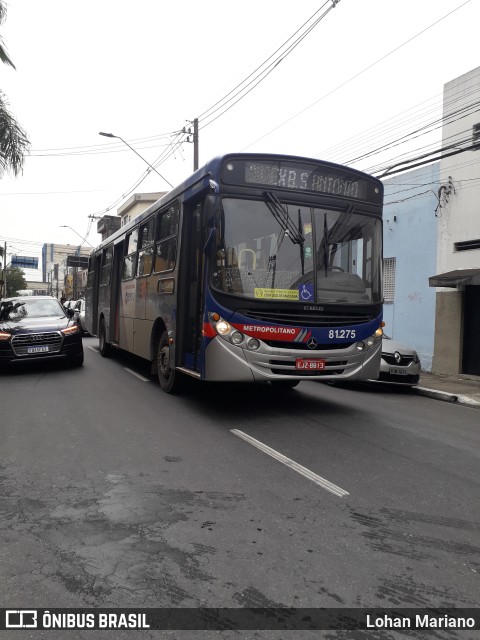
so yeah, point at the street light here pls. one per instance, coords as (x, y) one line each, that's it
(111, 135)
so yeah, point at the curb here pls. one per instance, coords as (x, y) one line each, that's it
(448, 397)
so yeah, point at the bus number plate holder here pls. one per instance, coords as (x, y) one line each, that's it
(309, 364)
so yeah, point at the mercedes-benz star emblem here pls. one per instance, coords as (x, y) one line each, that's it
(398, 357)
(312, 343)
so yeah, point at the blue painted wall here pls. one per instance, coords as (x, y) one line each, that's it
(410, 236)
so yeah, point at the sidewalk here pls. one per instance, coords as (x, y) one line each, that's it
(450, 389)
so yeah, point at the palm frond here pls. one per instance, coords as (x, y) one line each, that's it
(14, 143)
(4, 55)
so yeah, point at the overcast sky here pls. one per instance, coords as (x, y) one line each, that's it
(368, 70)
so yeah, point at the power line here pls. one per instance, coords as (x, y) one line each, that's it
(254, 79)
(357, 75)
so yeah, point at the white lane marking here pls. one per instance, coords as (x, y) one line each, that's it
(322, 482)
(137, 375)
(94, 349)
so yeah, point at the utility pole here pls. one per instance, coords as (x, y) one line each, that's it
(194, 139)
(195, 144)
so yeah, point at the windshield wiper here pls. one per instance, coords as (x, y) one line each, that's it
(325, 243)
(281, 215)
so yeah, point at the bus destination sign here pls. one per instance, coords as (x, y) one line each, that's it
(298, 177)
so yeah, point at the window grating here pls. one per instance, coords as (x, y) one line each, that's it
(389, 266)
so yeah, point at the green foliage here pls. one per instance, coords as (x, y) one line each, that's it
(14, 143)
(15, 278)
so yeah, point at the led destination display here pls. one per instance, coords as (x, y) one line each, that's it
(300, 177)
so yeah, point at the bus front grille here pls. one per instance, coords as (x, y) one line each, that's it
(299, 346)
(307, 319)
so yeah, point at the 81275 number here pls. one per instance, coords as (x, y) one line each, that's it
(341, 333)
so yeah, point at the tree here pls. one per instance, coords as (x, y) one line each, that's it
(14, 142)
(15, 278)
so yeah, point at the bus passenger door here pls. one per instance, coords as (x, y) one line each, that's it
(190, 301)
(118, 252)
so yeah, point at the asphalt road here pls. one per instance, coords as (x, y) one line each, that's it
(114, 494)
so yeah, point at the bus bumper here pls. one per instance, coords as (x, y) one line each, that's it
(230, 363)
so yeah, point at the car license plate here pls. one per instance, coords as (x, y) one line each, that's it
(37, 349)
(309, 364)
(397, 372)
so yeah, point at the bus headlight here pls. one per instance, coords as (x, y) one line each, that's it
(236, 337)
(360, 346)
(378, 333)
(370, 341)
(253, 344)
(223, 327)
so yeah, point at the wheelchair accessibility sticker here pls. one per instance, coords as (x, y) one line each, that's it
(305, 292)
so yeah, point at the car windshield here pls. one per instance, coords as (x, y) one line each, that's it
(272, 250)
(34, 308)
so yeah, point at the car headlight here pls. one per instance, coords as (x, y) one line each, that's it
(70, 330)
(416, 359)
(4, 335)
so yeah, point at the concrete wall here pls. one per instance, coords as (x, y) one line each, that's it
(459, 214)
(447, 358)
(410, 236)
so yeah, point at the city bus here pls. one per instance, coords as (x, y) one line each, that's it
(257, 268)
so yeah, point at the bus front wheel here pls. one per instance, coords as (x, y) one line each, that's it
(169, 379)
(103, 346)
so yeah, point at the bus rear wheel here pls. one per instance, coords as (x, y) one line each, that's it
(171, 381)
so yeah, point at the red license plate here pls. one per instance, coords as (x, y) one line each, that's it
(309, 364)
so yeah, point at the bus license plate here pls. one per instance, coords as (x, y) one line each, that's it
(309, 364)
(37, 349)
(397, 372)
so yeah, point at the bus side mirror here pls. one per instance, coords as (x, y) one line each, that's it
(212, 232)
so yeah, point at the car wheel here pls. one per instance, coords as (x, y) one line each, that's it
(103, 346)
(171, 381)
(77, 361)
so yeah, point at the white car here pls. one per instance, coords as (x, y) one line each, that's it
(79, 308)
(400, 363)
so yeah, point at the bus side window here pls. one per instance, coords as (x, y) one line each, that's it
(145, 252)
(166, 245)
(106, 265)
(130, 260)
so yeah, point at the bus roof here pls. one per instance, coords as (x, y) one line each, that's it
(211, 170)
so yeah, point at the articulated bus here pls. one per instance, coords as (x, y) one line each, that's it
(260, 268)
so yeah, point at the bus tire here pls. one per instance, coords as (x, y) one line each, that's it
(171, 381)
(284, 384)
(103, 346)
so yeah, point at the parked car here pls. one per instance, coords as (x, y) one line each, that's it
(400, 363)
(38, 328)
(69, 304)
(79, 309)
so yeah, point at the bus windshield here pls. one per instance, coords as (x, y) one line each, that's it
(271, 250)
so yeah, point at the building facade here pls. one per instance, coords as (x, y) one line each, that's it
(62, 280)
(410, 241)
(457, 274)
